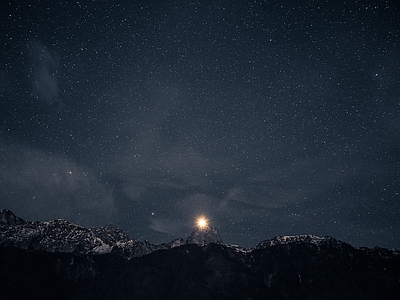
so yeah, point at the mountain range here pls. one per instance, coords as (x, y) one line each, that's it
(61, 260)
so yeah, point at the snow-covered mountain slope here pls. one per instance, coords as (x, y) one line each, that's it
(61, 236)
(299, 239)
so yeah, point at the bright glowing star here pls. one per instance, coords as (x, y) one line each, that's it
(202, 222)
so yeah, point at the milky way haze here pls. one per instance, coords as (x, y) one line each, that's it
(269, 118)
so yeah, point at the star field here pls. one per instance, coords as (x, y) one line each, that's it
(269, 117)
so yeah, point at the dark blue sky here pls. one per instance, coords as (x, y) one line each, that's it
(270, 117)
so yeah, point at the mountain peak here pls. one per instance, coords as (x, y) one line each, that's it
(204, 236)
(7, 217)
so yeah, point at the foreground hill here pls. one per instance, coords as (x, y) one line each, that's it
(60, 260)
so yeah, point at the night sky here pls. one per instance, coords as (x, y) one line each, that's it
(269, 117)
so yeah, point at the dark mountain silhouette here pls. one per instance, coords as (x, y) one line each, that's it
(60, 260)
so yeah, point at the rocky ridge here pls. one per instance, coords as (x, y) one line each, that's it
(61, 236)
(60, 260)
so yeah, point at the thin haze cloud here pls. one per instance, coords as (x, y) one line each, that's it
(43, 72)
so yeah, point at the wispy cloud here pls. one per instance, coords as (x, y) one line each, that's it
(35, 183)
(43, 71)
